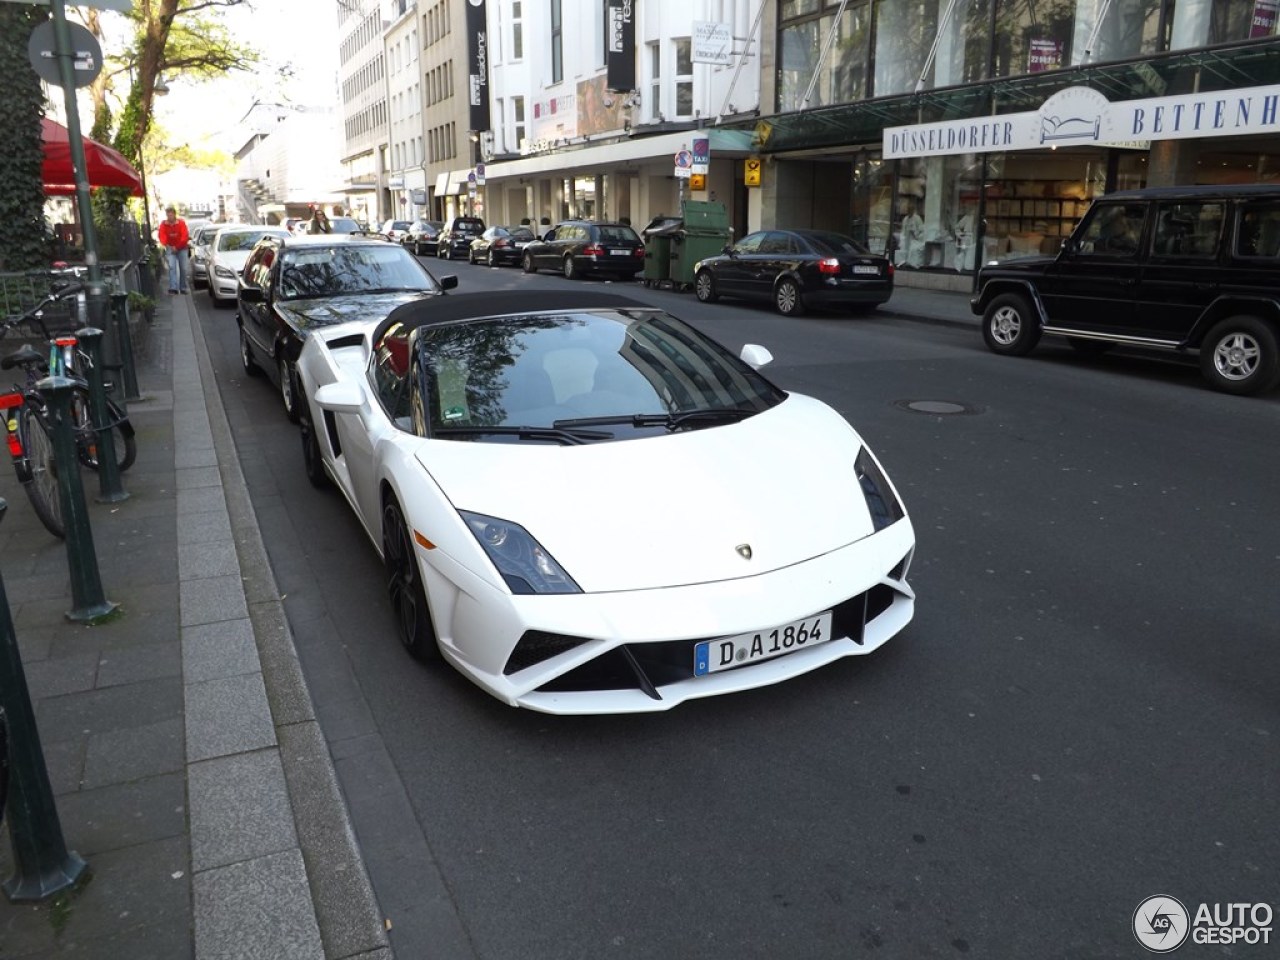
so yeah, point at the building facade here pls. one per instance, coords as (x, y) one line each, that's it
(362, 83)
(404, 196)
(953, 132)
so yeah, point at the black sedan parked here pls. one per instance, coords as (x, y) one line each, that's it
(292, 284)
(499, 245)
(580, 247)
(796, 269)
(421, 237)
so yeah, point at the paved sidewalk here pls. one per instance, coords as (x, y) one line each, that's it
(187, 764)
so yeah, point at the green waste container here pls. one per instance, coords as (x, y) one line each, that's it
(657, 248)
(704, 233)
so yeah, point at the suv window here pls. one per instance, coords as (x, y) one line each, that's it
(1188, 230)
(1113, 230)
(1259, 231)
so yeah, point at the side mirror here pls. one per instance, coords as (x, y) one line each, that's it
(755, 356)
(727, 248)
(343, 397)
(449, 282)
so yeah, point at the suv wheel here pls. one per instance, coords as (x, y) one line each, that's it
(1241, 355)
(1009, 326)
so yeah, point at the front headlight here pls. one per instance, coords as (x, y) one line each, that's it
(881, 503)
(525, 566)
(224, 272)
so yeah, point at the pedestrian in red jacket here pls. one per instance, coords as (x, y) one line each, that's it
(175, 239)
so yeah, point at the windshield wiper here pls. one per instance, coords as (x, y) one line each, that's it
(556, 433)
(672, 421)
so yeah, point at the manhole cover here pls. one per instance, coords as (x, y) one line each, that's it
(936, 407)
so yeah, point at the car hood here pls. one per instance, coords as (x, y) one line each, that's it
(302, 315)
(675, 509)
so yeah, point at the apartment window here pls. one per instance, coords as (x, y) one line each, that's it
(517, 104)
(655, 74)
(517, 31)
(684, 77)
(557, 42)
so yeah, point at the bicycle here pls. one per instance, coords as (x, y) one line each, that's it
(27, 424)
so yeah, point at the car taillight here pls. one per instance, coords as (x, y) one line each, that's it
(593, 251)
(502, 243)
(889, 271)
(829, 265)
(639, 251)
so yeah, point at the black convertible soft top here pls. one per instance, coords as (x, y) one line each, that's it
(451, 308)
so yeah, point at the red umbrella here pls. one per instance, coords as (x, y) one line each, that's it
(105, 167)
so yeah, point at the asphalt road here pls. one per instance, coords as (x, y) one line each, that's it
(1083, 714)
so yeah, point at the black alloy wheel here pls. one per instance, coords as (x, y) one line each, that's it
(704, 285)
(288, 389)
(786, 297)
(246, 355)
(312, 460)
(404, 585)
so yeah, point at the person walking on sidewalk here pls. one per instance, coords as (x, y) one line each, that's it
(175, 239)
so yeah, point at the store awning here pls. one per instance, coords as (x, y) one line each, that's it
(104, 167)
(607, 156)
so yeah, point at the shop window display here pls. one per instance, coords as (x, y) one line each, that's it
(937, 213)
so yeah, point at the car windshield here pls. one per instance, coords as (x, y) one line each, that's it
(343, 225)
(618, 234)
(350, 268)
(244, 239)
(520, 233)
(399, 225)
(582, 377)
(835, 244)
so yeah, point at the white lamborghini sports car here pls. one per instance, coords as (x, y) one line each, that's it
(587, 506)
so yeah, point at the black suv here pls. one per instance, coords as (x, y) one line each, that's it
(455, 239)
(580, 247)
(1172, 268)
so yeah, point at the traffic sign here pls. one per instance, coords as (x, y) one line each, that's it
(480, 174)
(86, 61)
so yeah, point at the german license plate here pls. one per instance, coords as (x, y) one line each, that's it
(712, 656)
(620, 253)
(860, 268)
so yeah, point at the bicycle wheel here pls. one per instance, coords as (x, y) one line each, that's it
(87, 437)
(42, 485)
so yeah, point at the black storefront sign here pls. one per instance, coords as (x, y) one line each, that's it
(620, 58)
(477, 66)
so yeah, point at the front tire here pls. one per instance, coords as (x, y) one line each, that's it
(312, 459)
(529, 265)
(786, 297)
(288, 390)
(246, 356)
(404, 586)
(1241, 355)
(491, 260)
(704, 285)
(1009, 326)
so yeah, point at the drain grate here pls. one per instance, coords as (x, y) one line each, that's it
(937, 408)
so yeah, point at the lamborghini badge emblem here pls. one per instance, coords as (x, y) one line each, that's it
(744, 551)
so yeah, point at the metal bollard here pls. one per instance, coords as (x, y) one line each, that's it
(128, 389)
(43, 865)
(110, 489)
(86, 584)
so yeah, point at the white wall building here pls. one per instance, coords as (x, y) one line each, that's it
(362, 84)
(405, 197)
(564, 145)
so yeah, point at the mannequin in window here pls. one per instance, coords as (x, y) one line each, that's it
(911, 253)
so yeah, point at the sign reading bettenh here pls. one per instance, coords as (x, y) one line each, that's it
(1081, 116)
